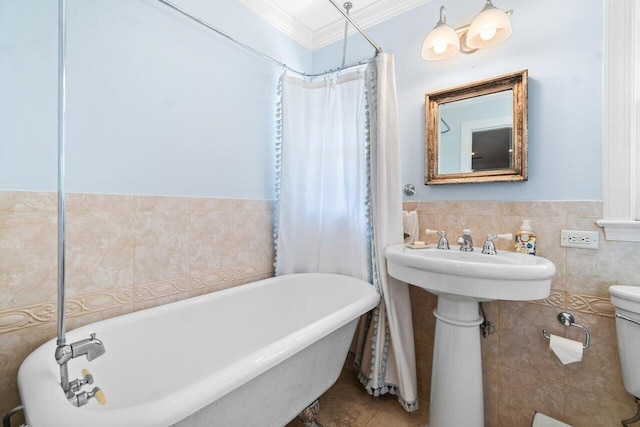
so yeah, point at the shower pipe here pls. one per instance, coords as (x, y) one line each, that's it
(62, 131)
(267, 57)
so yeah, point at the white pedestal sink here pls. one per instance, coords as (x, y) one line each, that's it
(461, 280)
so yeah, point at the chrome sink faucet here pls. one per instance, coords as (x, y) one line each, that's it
(90, 347)
(465, 241)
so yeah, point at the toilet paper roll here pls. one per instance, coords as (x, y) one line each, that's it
(568, 351)
(541, 420)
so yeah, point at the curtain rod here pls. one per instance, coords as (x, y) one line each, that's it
(267, 57)
(357, 27)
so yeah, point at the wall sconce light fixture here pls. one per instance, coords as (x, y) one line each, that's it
(442, 42)
(489, 27)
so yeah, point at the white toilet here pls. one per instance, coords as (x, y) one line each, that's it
(626, 300)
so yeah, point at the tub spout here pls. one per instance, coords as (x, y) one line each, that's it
(91, 347)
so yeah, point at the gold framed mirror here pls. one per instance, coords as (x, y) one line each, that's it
(477, 132)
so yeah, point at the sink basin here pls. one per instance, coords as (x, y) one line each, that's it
(462, 280)
(472, 275)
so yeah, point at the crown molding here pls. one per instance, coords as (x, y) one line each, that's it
(365, 18)
(281, 20)
(368, 16)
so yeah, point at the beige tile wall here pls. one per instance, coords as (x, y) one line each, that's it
(124, 253)
(521, 374)
(127, 253)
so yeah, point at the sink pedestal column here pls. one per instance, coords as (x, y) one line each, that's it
(456, 379)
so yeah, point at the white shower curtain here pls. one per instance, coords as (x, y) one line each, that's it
(322, 213)
(339, 206)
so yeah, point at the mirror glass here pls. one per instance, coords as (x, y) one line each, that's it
(477, 132)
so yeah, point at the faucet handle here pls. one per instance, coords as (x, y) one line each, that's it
(76, 385)
(443, 243)
(442, 234)
(99, 395)
(507, 236)
(83, 398)
(489, 247)
(87, 377)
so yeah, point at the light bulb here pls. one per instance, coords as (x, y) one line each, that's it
(439, 48)
(491, 26)
(488, 34)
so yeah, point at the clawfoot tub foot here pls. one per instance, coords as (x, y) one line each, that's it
(625, 423)
(308, 416)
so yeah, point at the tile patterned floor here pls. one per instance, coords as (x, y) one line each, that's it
(347, 404)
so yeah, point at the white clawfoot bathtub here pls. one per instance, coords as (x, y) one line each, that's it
(254, 355)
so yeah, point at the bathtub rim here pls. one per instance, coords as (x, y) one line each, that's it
(209, 388)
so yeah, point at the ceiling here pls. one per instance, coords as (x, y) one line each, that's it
(317, 23)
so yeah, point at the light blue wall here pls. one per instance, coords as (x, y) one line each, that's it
(559, 42)
(28, 87)
(156, 104)
(159, 106)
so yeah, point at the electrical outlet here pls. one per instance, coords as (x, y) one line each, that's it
(579, 239)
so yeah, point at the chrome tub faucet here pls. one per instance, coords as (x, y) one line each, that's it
(90, 347)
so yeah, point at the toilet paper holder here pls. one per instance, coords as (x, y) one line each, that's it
(567, 319)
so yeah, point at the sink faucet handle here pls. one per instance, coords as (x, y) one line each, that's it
(489, 247)
(507, 236)
(443, 243)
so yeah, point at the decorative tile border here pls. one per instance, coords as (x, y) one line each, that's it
(84, 304)
(219, 277)
(591, 305)
(25, 317)
(38, 314)
(161, 289)
(581, 303)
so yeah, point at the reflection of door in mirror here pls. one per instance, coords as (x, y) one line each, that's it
(480, 138)
(491, 149)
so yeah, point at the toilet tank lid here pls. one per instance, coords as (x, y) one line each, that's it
(631, 293)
